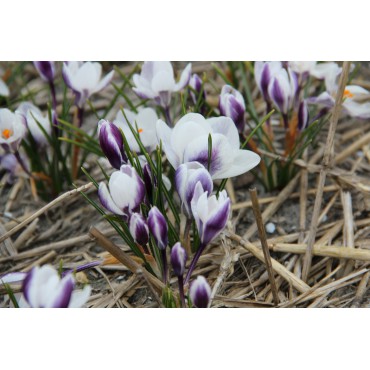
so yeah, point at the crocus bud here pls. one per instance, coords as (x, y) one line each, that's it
(158, 227)
(232, 105)
(43, 288)
(12, 130)
(139, 229)
(282, 90)
(85, 79)
(196, 84)
(200, 292)
(178, 259)
(263, 73)
(210, 214)
(46, 70)
(303, 115)
(126, 192)
(111, 143)
(186, 177)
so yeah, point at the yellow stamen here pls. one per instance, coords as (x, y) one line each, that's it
(140, 130)
(7, 133)
(347, 94)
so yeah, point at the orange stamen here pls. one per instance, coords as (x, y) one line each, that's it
(347, 94)
(7, 133)
(140, 130)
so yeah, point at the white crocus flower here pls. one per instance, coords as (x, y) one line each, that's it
(188, 142)
(43, 288)
(85, 79)
(12, 130)
(156, 81)
(33, 117)
(4, 90)
(145, 123)
(354, 96)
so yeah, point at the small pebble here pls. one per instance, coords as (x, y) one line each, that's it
(270, 228)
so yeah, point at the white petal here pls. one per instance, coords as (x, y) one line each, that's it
(163, 81)
(80, 297)
(184, 78)
(104, 82)
(4, 90)
(225, 126)
(164, 134)
(107, 201)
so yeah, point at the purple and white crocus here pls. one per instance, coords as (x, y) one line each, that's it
(12, 130)
(200, 292)
(188, 141)
(111, 143)
(263, 73)
(211, 215)
(46, 70)
(186, 178)
(156, 81)
(232, 105)
(85, 79)
(139, 229)
(126, 192)
(43, 288)
(178, 261)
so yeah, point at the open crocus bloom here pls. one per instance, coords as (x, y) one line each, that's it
(353, 96)
(125, 194)
(12, 130)
(43, 288)
(32, 115)
(85, 79)
(210, 213)
(157, 82)
(145, 122)
(188, 142)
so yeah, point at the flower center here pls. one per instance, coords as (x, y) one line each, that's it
(347, 94)
(6, 133)
(140, 130)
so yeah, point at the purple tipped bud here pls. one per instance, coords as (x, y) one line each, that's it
(200, 292)
(158, 227)
(303, 115)
(139, 229)
(232, 105)
(282, 90)
(196, 84)
(46, 70)
(111, 143)
(263, 73)
(186, 178)
(178, 259)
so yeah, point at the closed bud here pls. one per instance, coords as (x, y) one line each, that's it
(303, 115)
(158, 227)
(232, 105)
(263, 73)
(200, 292)
(139, 229)
(46, 70)
(111, 143)
(196, 84)
(178, 259)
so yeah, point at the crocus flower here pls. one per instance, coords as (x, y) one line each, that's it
(210, 214)
(157, 82)
(186, 177)
(12, 130)
(263, 73)
(32, 116)
(178, 259)
(111, 143)
(353, 98)
(282, 89)
(13, 277)
(158, 227)
(302, 67)
(4, 90)
(200, 292)
(145, 123)
(85, 79)
(196, 83)
(139, 229)
(232, 105)
(303, 115)
(43, 288)
(46, 70)
(188, 142)
(126, 192)
(9, 162)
